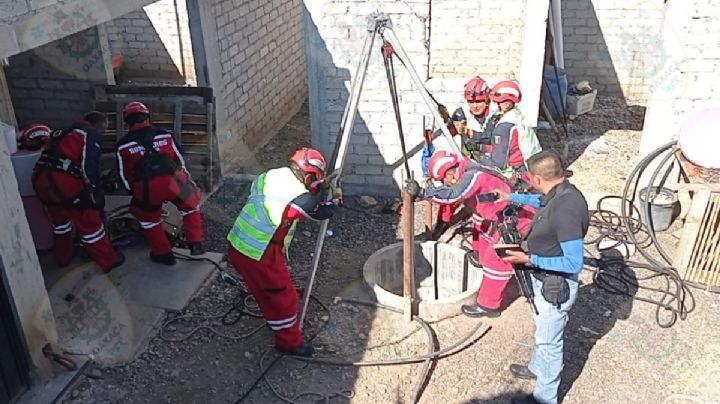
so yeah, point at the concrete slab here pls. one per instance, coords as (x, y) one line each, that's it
(111, 317)
(168, 287)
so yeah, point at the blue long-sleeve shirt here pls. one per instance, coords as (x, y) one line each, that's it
(568, 230)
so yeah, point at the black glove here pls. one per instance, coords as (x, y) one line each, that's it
(414, 189)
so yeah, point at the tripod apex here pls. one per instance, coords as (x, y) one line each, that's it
(378, 19)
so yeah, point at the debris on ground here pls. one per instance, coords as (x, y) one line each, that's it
(614, 350)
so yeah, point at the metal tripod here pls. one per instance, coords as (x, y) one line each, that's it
(377, 25)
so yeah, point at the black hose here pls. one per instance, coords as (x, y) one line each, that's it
(458, 346)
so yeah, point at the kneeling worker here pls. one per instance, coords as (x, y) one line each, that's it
(261, 235)
(555, 254)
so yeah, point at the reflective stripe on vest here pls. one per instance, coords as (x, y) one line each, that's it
(262, 214)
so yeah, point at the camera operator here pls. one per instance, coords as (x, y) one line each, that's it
(554, 252)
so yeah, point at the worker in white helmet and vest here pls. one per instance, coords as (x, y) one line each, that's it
(261, 235)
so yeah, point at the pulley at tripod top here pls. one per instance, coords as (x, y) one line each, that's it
(378, 20)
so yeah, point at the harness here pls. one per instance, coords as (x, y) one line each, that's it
(154, 164)
(52, 160)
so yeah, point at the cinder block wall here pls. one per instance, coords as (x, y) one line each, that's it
(611, 44)
(154, 42)
(471, 37)
(465, 39)
(53, 83)
(689, 55)
(256, 60)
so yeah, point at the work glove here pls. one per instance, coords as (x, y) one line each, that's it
(414, 189)
(337, 195)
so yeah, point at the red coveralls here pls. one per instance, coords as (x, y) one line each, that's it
(148, 195)
(473, 182)
(269, 279)
(67, 197)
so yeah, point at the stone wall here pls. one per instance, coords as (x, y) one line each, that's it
(53, 83)
(154, 42)
(256, 64)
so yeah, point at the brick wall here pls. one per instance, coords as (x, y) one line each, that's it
(53, 83)
(335, 34)
(688, 60)
(256, 60)
(610, 43)
(154, 42)
(471, 37)
(463, 41)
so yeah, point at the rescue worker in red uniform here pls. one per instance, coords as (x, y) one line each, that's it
(152, 169)
(260, 237)
(65, 180)
(512, 141)
(474, 184)
(470, 120)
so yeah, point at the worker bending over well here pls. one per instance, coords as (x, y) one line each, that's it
(65, 180)
(555, 255)
(467, 181)
(261, 235)
(152, 168)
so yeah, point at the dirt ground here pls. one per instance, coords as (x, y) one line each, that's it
(615, 352)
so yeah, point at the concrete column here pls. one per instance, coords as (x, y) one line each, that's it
(106, 54)
(22, 270)
(533, 53)
(7, 112)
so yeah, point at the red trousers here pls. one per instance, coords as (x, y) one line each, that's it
(269, 281)
(496, 272)
(147, 208)
(445, 213)
(89, 226)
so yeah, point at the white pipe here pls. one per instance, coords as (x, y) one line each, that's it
(557, 32)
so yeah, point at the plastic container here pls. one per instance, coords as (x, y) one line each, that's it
(557, 102)
(662, 206)
(698, 138)
(580, 104)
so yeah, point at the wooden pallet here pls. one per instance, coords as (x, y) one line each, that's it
(186, 111)
(698, 255)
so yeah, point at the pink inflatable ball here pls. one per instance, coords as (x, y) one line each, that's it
(699, 138)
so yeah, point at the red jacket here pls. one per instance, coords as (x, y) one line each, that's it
(80, 143)
(130, 150)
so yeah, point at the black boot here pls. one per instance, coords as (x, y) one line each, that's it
(475, 310)
(472, 257)
(304, 350)
(522, 372)
(196, 248)
(165, 259)
(120, 261)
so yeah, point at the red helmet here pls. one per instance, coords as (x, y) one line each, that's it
(309, 161)
(440, 162)
(506, 91)
(135, 107)
(34, 137)
(476, 89)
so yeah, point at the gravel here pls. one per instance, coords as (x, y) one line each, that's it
(614, 350)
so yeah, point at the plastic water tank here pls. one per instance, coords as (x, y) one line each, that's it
(698, 138)
(556, 103)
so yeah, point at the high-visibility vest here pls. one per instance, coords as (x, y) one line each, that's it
(527, 139)
(262, 214)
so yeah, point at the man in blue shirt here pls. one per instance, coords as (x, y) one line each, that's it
(555, 253)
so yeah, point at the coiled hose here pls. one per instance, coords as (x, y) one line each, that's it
(634, 227)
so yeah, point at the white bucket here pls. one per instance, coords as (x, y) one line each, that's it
(7, 134)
